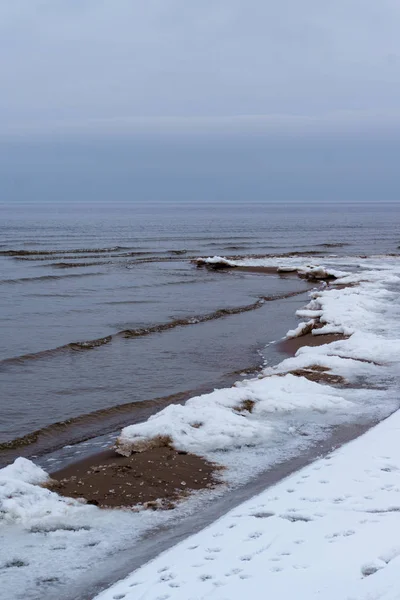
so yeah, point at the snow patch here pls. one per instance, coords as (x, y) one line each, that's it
(24, 470)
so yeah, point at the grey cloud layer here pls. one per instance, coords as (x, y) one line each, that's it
(76, 61)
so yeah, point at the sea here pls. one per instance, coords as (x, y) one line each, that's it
(105, 317)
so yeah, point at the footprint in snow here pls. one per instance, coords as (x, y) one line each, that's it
(293, 518)
(16, 562)
(307, 499)
(263, 515)
(337, 534)
(390, 554)
(372, 567)
(167, 577)
(233, 572)
(254, 536)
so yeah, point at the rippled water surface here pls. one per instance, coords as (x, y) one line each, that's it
(100, 305)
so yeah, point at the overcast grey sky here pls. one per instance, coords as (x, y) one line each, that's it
(196, 100)
(112, 64)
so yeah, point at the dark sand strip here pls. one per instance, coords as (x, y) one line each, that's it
(153, 479)
(320, 375)
(268, 271)
(290, 346)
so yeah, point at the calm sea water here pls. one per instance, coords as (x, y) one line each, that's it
(82, 284)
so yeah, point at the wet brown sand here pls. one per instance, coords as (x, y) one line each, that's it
(290, 346)
(268, 271)
(320, 375)
(153, 479)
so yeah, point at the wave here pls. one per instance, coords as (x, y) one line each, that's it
(74, 346)
(77, 265)
(83, 427)
(36, 258)
(334, 244)
(144, 331)
(46, 278)
(218, 314)
(12, 252)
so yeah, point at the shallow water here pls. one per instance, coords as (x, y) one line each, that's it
(74, 278)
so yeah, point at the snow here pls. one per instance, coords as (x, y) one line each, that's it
(217, 421)
(285, 266)
(287, 269)
(328, 531)
(301, 329)
(319, 272)
(24, 470)
(215, 260)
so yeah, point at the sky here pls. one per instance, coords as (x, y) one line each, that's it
(211, 69)
(75, 61)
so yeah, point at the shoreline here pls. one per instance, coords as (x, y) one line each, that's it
(290, 345)
(82, 478)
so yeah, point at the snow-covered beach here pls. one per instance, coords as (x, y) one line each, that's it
(248, 429)
(328, 531)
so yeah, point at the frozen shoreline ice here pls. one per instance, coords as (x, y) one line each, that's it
(329, 530)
